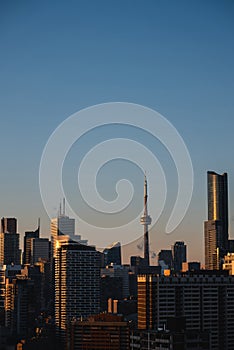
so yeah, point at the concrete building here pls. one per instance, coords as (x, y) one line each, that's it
(77, 284)
(228, 263)
(104, 332)
(205, 299)
(168, 340)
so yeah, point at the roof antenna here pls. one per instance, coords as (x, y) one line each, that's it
(39, 224)
(64, 206)
(60, 208)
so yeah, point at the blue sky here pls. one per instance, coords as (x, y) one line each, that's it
(57, 57)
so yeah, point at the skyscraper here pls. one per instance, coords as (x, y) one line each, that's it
(9, 225)
(146, 221)
(112, 254)
(9, 242)
(77, 284)
(179, 255)
(28, 237)
(61, 226)
(216, 227)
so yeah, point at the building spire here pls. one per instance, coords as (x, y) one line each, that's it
(64, 206)
(39, 225)
(146, 221)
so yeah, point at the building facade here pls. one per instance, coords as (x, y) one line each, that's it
(77, 284)
(9, 242)
(104, 332)
(205, 299)
(216, 227)
(179, 255)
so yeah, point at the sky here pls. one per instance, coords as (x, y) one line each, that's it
(58, 57)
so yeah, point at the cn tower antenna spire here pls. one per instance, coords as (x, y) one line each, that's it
(146, 221)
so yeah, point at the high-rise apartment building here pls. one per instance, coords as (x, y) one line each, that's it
(216, 227)
(77, 284)
(20, 301)
(104, 331)
(205, 299)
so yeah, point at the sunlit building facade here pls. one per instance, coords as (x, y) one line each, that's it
(216, 227)
(205, 299)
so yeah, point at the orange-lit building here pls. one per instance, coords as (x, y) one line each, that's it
(103, 331)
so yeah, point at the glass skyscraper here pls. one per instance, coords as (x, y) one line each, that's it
(216, 228)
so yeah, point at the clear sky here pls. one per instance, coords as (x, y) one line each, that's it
(57, 57)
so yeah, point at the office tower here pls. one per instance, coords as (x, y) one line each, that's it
(102, 331)
(216, 227)
(61, 226)
(9, 225)
(9, 242)
(179, 255)
(40, 249)
(77, 284)
(205, 299)
(166, 256)
(146, 221)
(28, 237)
(112, 254)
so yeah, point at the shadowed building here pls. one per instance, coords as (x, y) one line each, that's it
(205, 299)
(112, 254)
(179, 255)
(9, 242)
(28, 237)
(77, 284)
(104, 332)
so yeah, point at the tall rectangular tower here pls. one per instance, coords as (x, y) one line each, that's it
(77, 284)
(9, 242)
(62, 225)
(216, 227)
(179, 255)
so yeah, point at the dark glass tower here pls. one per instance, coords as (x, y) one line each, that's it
(216, 228)
(179, 255)
(112, 254)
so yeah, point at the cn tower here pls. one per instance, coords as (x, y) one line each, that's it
(146, 221)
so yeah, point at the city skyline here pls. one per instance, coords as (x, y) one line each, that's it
(174, 58)
(62, 227)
